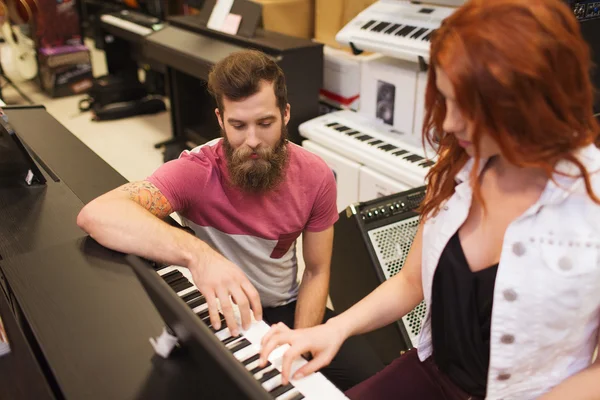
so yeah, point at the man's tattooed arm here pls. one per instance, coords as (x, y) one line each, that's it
(149, 197)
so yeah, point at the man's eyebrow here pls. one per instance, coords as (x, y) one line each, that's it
(267, 117)
(235, 121)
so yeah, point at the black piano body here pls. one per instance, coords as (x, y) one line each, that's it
(77, 318)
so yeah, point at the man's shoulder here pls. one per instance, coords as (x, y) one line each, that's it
(308, 162)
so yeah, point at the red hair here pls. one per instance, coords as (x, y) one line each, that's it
(521, 74)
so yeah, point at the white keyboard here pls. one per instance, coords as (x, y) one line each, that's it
(395, 28)
(369, 142)
(134, 22)
(246, 346)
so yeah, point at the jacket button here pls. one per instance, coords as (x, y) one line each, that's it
(510, 295)
(565, 264)
(504, 376)
(507, 339)
(518, 249)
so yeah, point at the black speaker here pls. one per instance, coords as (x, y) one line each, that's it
(371, 242)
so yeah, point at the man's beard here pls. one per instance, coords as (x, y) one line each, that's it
(259, 174)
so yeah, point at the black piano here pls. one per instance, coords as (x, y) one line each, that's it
(77, 317)
(186, 50)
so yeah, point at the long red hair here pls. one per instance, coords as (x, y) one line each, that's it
(521, 74)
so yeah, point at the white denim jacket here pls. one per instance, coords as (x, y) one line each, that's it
(546, 309)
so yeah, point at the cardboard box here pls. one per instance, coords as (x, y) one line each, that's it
(342, 76)
(290, 17)
(332, 15)
(65, 70)
(388, 93)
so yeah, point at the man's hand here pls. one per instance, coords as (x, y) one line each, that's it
(218, 278)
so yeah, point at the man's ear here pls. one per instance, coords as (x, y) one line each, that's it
(286, 114)
(218, 114)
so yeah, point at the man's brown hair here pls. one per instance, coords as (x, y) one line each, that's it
(238, 76)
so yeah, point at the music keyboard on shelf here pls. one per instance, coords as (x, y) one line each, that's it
(395, 28)
(245, 347)
(132, 21)
(369, 142)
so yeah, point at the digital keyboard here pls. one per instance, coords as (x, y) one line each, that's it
(132, 21)
(369, 142)
(395, 28)
(246, 347)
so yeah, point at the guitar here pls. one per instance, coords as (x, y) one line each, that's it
(22, 11)
(18, 56)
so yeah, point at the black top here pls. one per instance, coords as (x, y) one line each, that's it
(461, 313)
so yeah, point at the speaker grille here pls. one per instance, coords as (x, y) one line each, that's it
(391, 244)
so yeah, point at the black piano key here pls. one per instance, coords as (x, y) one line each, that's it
(191, 296)
(281, 389)
(380, 26)
(171, 275)
(268, 375)
(342, 128)
(180, 285)
(399, 152)
(198, 301)
(418, 33)
(250, 360)
(414, 158)
(241, 345)
(427, 163)
(352, 133)
(230, 339)
(299, 396)
(364, 137)
(368, 24)
(428, 36)
(406, 30)
(375, 142)
(256, 370)
(392, 29)
(203, 314)
(388, 147)
(332, 124)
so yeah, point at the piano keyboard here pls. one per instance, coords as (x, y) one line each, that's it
(246, 347)
(395, 28)
(371, 143)
(131, 21)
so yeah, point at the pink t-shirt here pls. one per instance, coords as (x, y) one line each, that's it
(257, 232)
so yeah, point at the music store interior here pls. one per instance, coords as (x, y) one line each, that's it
(98, 93)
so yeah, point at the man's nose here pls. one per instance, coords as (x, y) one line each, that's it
(252, 139)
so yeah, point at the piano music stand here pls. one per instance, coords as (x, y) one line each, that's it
(250, 11)
(223, 376)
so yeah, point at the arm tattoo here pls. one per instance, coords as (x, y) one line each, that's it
(148, 196)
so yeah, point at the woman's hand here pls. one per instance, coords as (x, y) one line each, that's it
(322, 341)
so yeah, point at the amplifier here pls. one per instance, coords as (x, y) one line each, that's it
(371, 242)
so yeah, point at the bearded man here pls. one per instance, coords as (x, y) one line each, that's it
(247, 196)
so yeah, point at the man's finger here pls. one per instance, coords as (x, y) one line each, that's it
(268, 346)
(227, 309)
(213, 310)
(239, 297)
(254, 298)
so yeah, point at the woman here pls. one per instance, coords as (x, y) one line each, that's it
(507, 253)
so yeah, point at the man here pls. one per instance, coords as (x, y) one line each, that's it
(247, 196)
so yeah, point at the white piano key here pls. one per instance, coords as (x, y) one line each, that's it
(246, 352)
(272, 383)
(260, 373)
(183, 292)
(165, 270)
(200, 308)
